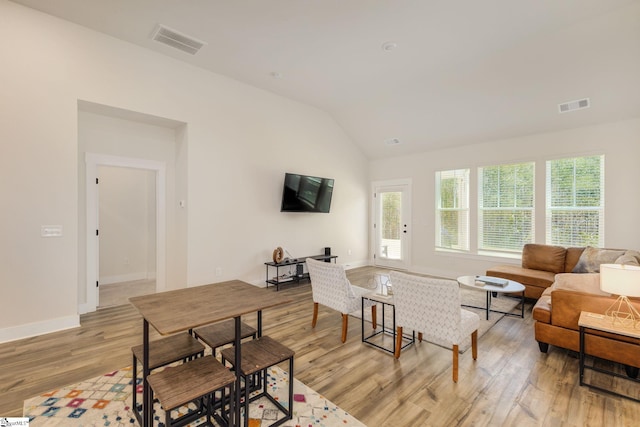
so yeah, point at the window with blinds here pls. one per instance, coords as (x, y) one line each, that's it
(575, 201)
(452, 209)
(505, 207)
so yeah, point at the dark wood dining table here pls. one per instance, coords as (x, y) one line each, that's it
(179, 310)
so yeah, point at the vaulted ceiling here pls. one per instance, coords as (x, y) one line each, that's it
(427, 74)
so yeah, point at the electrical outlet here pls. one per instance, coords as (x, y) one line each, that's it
(349, 252)
(218, 271)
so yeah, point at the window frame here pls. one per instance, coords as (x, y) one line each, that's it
(460, 204)
(514, 207)
(550, 209)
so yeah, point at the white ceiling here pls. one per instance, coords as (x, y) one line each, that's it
(463, 72)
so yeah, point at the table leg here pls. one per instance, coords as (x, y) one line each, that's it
(393, 310)
(234, 419)
(522, 306)
(362, 317)
(488, 303)
(581, 355)
(147, 410)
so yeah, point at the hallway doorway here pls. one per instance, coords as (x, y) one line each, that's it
(123, 266)
(127, 234)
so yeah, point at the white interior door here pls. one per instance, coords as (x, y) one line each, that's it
(392, 223)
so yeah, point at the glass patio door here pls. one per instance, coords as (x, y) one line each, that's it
(392, 224)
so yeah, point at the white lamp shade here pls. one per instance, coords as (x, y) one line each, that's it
(620, 279)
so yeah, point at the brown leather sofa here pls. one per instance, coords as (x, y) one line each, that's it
(556, 316)
(547, 273)
(540, 264)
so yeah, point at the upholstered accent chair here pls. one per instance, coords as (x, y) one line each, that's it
(432, 308)
(331, 288)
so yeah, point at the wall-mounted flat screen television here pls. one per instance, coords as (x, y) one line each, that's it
(303, 193)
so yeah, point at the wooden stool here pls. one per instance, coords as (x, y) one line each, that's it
(257, 356)
(222, 333)
(198, 379)
(161, 353)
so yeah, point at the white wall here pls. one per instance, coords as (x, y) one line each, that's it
(237, 143)
(619, 142)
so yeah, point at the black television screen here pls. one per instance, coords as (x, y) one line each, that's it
(302, 193)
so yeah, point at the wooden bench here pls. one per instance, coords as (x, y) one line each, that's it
(163, 352)
(197, 379)
(256, 356)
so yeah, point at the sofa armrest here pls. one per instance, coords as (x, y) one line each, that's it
(542, 308)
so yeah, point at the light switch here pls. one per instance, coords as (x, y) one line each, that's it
(51, 231)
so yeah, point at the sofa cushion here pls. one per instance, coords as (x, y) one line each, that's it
(571, 259)
(526, 276)
(587, 282)
(591, 259)
(543, 257)
(629, 258)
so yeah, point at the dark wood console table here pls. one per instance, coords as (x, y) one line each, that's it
(298, 273)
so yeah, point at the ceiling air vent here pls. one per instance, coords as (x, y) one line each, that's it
(574, 105)
(176, 39)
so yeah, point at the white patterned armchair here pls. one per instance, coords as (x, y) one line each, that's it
(432, 308)
(331, 288)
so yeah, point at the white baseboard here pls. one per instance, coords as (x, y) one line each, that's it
(356, 264)
(39, 328)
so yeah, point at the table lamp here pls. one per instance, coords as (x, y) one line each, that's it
(622, 280)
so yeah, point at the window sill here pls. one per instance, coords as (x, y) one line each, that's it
(480, 255)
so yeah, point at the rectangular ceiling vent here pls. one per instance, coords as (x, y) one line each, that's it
(176, 39)
(574, 105)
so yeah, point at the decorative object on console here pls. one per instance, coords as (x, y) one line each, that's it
(278, 254)
(622, 280)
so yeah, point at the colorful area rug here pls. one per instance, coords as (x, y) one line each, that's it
(106, 401)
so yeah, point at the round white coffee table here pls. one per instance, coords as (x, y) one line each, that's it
(484, 283)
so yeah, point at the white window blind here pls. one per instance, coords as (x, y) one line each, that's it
(505, 207)
(452, 209)
(575, 201)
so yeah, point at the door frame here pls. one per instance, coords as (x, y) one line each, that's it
(93, 161)
(406, 186)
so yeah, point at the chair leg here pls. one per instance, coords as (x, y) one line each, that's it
(474, 344)
(455, 363)
(419, 336)
(345, 325)
(398, 342)
(374, 316)
(134, 380)
(315, 315)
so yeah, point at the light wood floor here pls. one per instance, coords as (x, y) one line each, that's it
(119, 293)
(510, 384)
